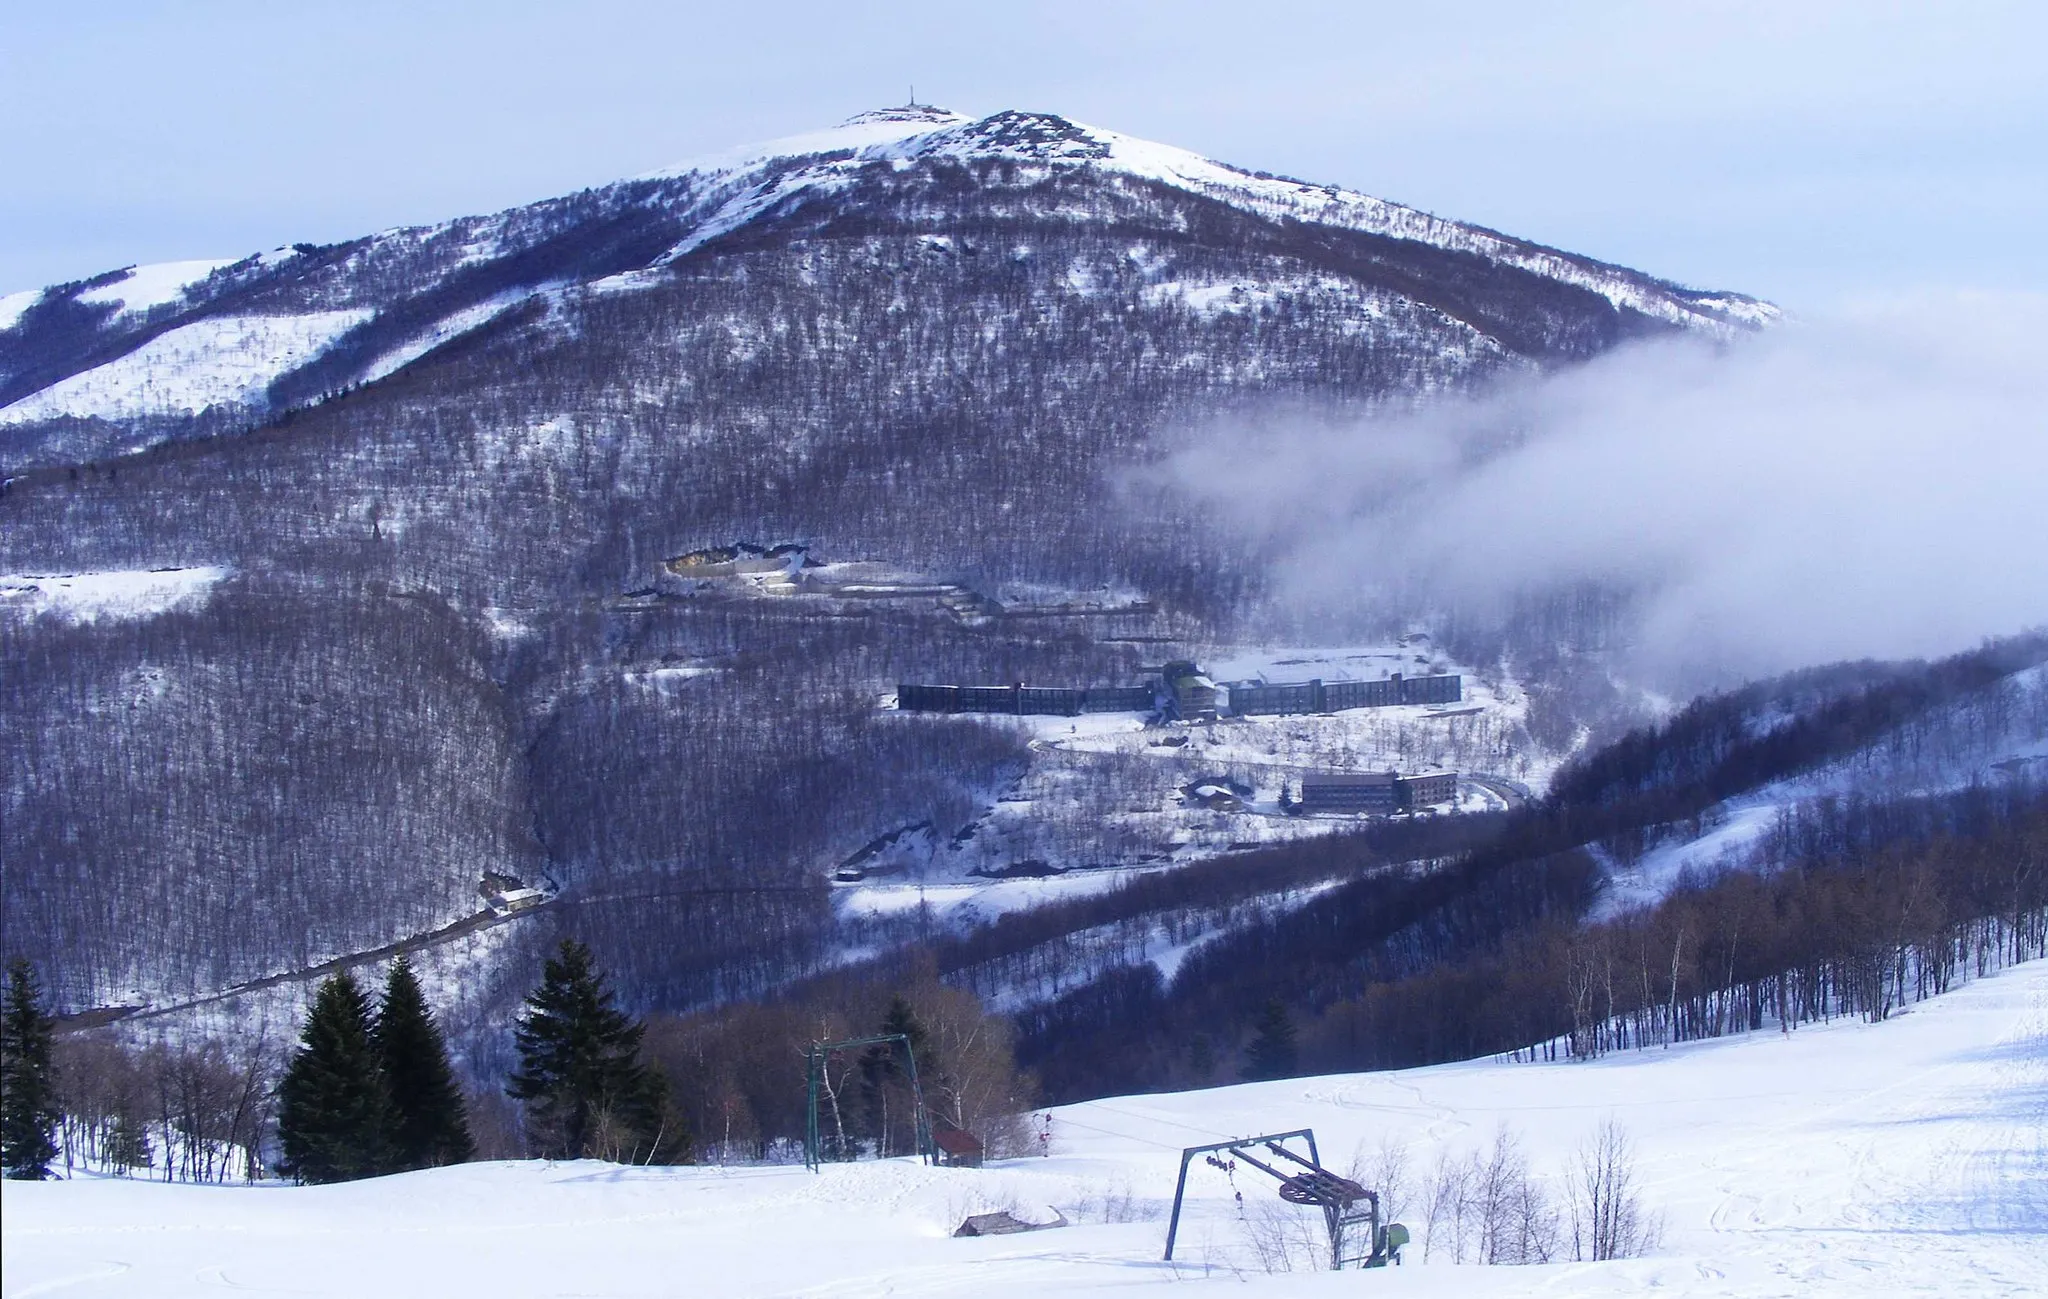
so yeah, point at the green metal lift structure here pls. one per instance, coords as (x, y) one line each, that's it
(820, 1053)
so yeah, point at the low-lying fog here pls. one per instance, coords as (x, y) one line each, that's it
(1871, 483)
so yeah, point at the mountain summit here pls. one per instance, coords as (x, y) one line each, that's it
(153, 353)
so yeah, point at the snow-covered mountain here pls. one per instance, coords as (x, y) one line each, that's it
(143, 352)
(433, 478)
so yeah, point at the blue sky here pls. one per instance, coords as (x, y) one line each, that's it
(1813, 152)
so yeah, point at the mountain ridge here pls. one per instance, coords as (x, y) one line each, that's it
(88, 351)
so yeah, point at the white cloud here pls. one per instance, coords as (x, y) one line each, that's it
(1874, 483)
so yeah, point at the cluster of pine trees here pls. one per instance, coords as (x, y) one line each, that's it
(369, 1089)
(369, 1093)
(372, 1093)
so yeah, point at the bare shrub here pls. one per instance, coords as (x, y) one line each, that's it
(1115, 1201)
(1604, 1200)
(1446, 1218)
(1516, 1221)
(1487, 1208)
(1385, 1169)
(1284, 1238)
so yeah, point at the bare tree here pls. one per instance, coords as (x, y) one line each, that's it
(1385, 1169)
(1604, 1200)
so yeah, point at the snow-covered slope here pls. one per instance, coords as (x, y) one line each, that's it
(12, 306)
(140, 288)
(1849, 1160)
(214, 361)
(170, 340)
(1986, 740)
(921, 339)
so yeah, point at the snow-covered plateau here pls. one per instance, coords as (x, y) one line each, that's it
(1909, 1157)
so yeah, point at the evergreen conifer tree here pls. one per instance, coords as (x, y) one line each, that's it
(334, 1110)
(128, 1145)
(902, 1019)
(429, 1123)
(884, 1083)
(28, 1086)
(586, 1092)
(1271, 1053)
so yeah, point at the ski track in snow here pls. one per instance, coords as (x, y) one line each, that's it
(1841, 1160)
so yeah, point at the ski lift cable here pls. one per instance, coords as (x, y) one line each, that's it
(1171, 1123)
(1089, 1127)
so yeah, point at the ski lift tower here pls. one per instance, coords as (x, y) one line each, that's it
(820, 1055)
(1345, 1204)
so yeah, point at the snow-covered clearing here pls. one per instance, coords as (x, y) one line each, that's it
(963, 902)
(1851, 1160)
(15, 305)
(216, 361)
(441, 331)
(144, 287)
(124, 593)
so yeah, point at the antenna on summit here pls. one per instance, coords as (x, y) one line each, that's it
(913, 95)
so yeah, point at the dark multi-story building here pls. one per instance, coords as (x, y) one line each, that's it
(1190, 695)
(1265, 701)
(1022, 700)
(1119, 699)
(1319, 696)
(1430, 690)
(1348, 791)
(1375, 791)
(1426, 789)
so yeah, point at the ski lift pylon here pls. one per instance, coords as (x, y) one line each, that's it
(1346, 1205)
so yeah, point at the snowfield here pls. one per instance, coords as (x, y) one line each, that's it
(14, 306)
(1851, 1159)
(143, 287)
(121, 593)
(217, 361)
